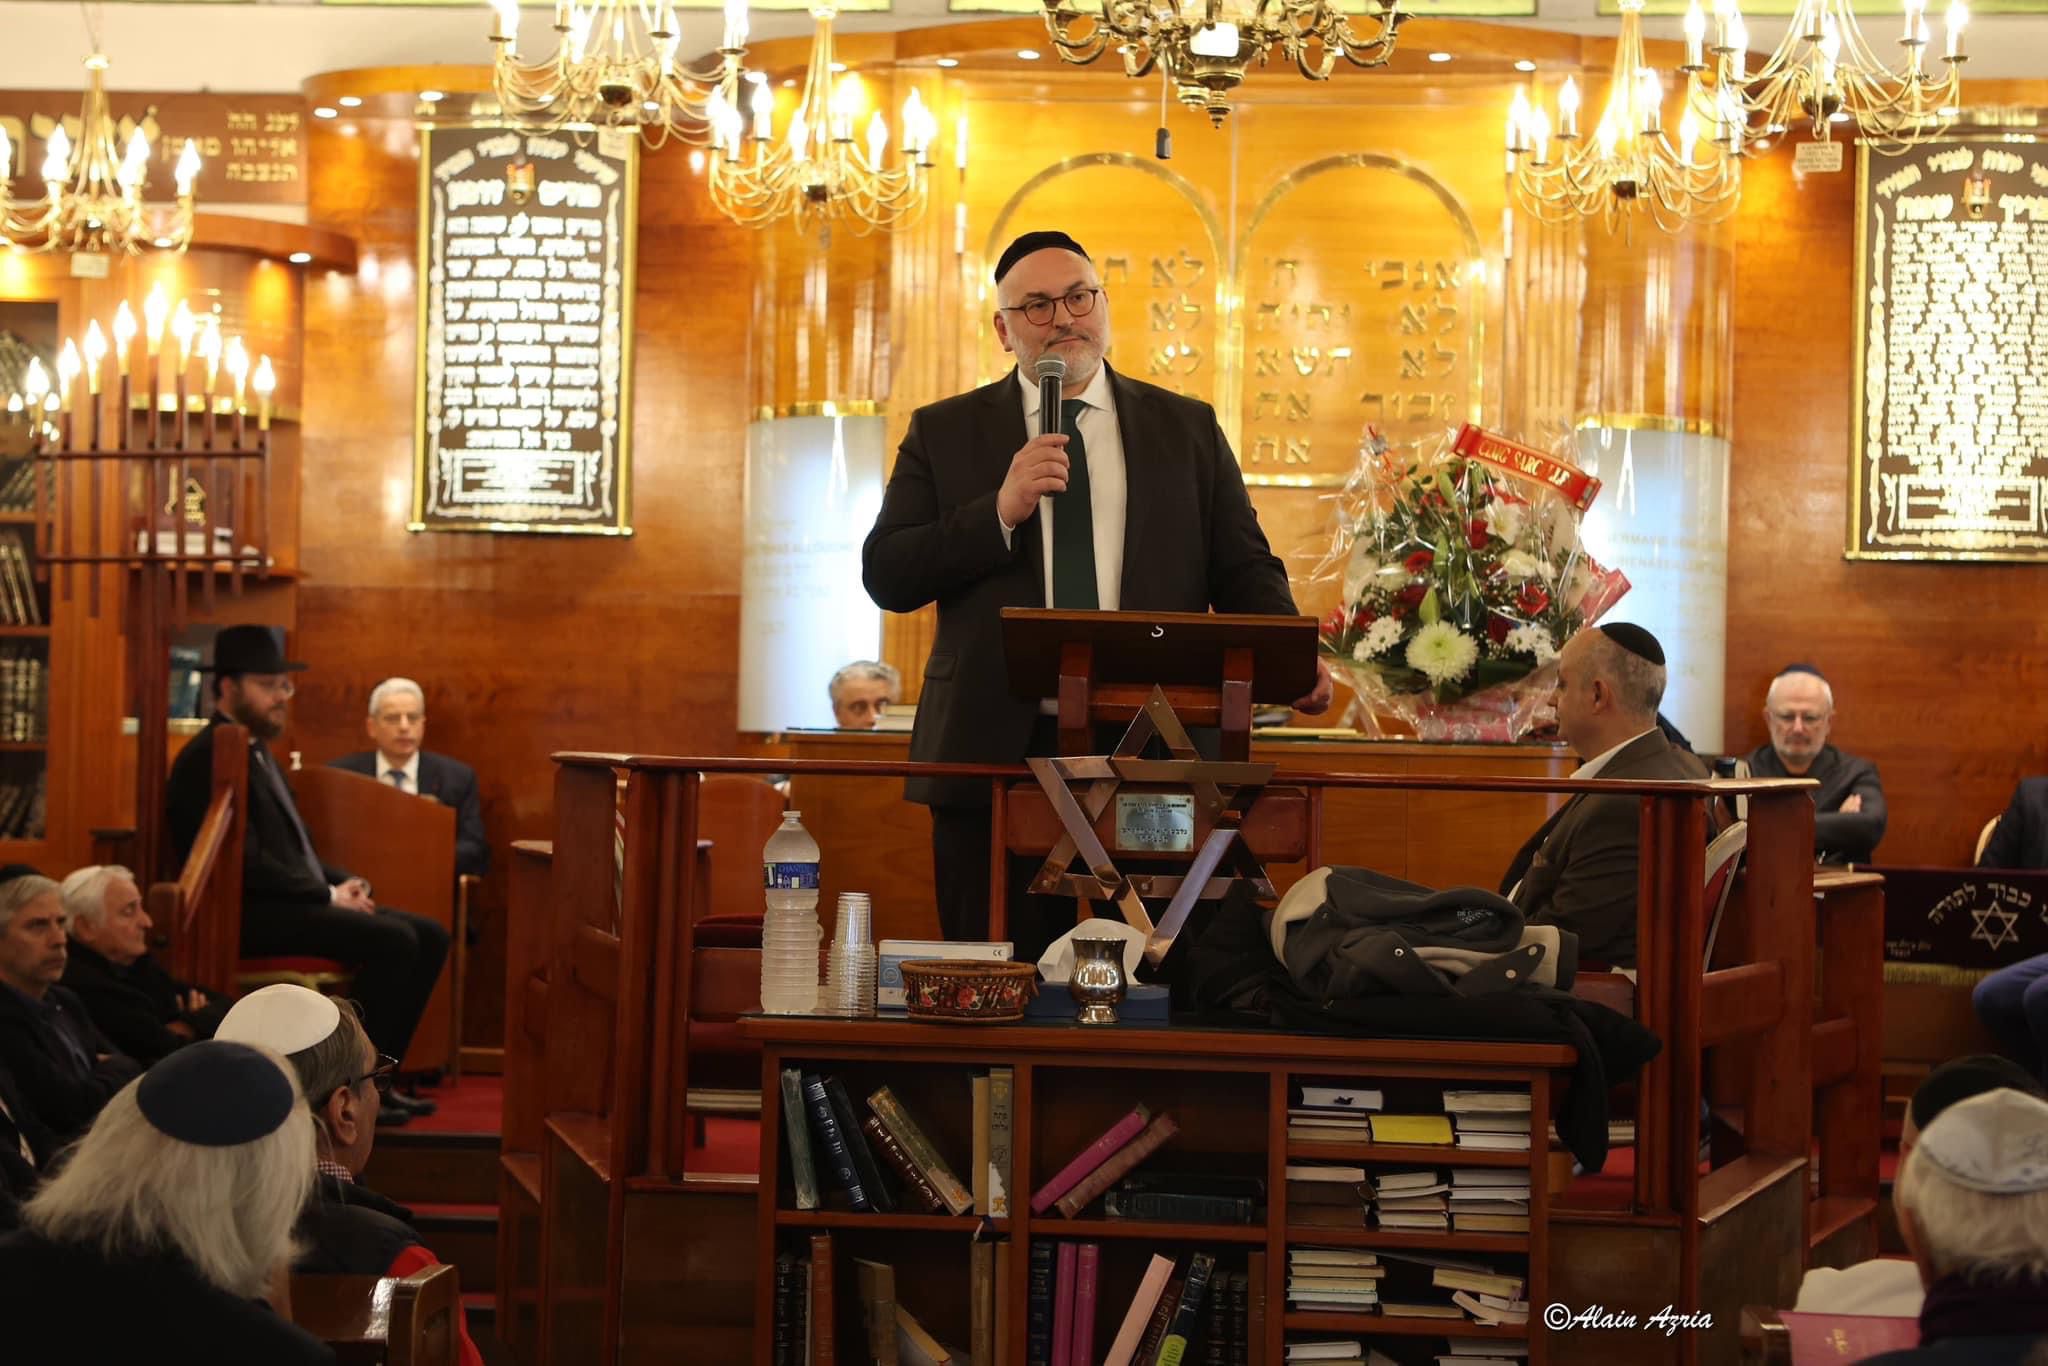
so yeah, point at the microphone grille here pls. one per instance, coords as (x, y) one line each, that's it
(1050, 367)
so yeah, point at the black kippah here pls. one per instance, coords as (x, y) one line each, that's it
(18, 870)
(1966, 1077)
(1035, 241)
(215, 1095)
(1802, 669)
(1634, 639)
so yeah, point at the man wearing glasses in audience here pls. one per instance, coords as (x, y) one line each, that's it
(1800, 709)
(292, 903)
(1129, 498)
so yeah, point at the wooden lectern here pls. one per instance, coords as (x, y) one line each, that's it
(1185, 818)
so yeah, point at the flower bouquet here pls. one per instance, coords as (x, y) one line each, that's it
(1460, 577)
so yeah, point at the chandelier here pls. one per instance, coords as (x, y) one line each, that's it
(92, 201)
(1825, 73)
(1205, 45)
(614, 65)
(1628, 165)
(819, 172)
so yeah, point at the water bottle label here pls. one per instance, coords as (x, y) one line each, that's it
(791, 876)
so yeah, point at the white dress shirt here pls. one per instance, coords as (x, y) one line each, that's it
(410, 768)
(1107, 487)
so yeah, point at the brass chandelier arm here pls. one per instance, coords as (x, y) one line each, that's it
(614, 64)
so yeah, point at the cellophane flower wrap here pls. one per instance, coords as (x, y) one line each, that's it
(1460, 575)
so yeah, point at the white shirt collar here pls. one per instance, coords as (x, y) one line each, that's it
(1096, 395)
(1591, 768)
(411, 769)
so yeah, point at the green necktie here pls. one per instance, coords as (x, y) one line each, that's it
(1073, 526)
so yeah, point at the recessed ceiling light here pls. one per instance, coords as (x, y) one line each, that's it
(838, 67)
(1439, 56)
(1525, 65)
(431, 97)
(949, 61)
(789, 82)
(1029, 54)
(350, 101)
(300, 258)
(325, 112)
(1948, 111)
(161, 242)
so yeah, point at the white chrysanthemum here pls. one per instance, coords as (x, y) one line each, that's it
(1377, 638)
(1520, 564)
(1504, 520)
(1531, 640)
(1442, 653)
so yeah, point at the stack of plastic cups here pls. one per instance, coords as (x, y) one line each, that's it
(850, 972)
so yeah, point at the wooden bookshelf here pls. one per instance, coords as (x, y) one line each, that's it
(1228, 1089)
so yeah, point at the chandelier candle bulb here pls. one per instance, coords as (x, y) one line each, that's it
(507, 31)
(156, 310)
(1568, 109)
(124, 333)
(1695, 38)
(57, 158)
(878, 139)
(1916, 30)
(1958, 19)
(95, 355)
(735, 24)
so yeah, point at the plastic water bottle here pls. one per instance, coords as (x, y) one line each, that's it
(789, 931)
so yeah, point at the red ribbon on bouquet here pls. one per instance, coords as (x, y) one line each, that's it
(1476, 443)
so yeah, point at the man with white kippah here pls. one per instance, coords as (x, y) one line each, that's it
(1972, 1199)
(347, 1228)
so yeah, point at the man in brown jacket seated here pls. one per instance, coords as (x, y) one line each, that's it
(1578, 871)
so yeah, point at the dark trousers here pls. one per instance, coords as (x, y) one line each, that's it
(396, 958)
(960, 873)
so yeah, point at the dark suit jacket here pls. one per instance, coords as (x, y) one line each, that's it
(64, 1099)
(2021, 839)
(68, 1306)
(1838, 836)
(274, 870)
(452, 783)
(1192, 542)
(1581, 870)
(133, 1006)
(18, 1174)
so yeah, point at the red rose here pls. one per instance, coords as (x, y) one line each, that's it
(1333, 624)
(1362, 618)
(1497, 628)
(1411, 596)
(1419, 562)
(1477, 535)
(1532, 599)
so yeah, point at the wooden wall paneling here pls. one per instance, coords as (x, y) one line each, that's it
(1940, 671)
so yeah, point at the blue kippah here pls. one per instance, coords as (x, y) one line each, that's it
(1634, 639)
(1802, 669)
(1035, 241)
(216, 1095)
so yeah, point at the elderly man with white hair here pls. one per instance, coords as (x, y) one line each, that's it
(167, 1235)
(1972, 1199)
(397, 726)
(147, 1013)
(1799, 710)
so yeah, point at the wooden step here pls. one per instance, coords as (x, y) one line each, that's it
(434, 1169)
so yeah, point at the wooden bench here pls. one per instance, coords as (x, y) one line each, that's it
(383, 1320)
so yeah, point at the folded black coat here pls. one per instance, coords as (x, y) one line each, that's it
(1222, 968)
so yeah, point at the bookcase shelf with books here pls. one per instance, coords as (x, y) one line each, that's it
(1207, 1113)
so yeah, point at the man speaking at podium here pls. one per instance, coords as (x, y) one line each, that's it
(1130, 501)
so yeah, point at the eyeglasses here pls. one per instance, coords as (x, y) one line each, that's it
(1810, 719)
(384, 1075)
(1080, 303)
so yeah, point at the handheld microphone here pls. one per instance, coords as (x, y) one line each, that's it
(1052, 375)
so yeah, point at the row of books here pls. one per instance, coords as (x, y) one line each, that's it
(807, 1315)
(19, 605)
(1459, 1200)
(886, 1160)
(24, 692)
(1488, 1120)
(1339, 1280)
(1460, 1352)
(1185, 1312)
(21, 809)
(18, 488)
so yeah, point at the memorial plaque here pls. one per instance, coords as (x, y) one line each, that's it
(1949, 448)
(525, 334)
(1155, 822)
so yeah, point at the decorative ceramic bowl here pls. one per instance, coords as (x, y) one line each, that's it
(967, 990)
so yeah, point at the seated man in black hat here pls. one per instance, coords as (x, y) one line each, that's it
(1578, 871)
(292, 903)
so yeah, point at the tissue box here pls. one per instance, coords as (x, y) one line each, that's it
(891, 953)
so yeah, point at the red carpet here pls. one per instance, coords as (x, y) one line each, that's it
(473, 1105)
